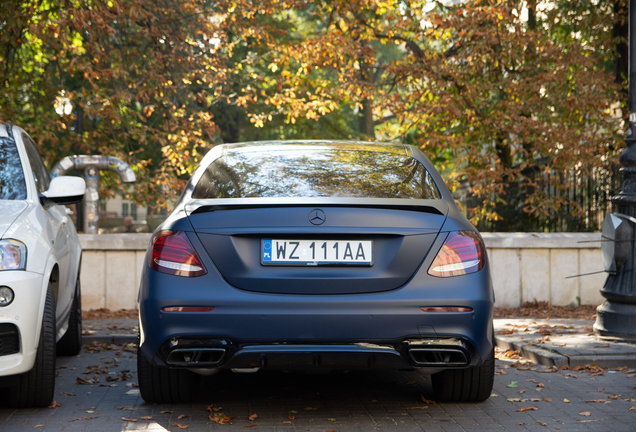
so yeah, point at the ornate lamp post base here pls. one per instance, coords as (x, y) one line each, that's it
(616, 321)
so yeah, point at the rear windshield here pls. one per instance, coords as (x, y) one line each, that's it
(12, 184)
(315, 172)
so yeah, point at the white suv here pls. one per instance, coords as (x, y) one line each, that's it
(40, 302)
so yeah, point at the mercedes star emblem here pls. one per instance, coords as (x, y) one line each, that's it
(317, 217)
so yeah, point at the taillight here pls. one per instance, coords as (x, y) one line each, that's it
(172, 253)
(463, 252)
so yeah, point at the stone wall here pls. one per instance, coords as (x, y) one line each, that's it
(524, 267)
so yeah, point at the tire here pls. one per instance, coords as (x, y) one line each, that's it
(163, 385)
(71, 342)
(465, 385)
(36, 387)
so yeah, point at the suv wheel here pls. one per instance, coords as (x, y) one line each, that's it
(71, 342)
(36, 387)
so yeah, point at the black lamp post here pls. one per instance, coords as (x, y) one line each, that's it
(616, 317)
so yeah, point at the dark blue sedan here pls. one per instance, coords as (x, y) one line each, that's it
(316, 255)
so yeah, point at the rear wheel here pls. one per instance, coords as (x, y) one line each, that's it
(465, 385)
(163, 385)
(35, 388)
(71, 342)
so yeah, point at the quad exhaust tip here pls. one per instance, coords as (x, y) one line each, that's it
(434, 357)
(195, 357)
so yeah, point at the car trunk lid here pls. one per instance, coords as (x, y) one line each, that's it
(401, 236)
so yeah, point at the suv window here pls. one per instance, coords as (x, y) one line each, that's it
(40, 173)
(12, 184)
(321, 171)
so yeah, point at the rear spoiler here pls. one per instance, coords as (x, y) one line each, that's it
(436, 206)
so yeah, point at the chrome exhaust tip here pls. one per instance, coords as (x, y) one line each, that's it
(195, 357)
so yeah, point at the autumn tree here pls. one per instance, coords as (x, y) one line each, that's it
(141, 80)
(513, 97)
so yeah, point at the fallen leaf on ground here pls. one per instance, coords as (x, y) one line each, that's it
(253, 417)
(252, 425)
(528, 409)
(213, 408)
(513, 384)
(126, 409)
(40, 425)
(310, 409)
(521, 423)
(180, 426)
(219, 418)
(597, 401)
(128, 419)
(426, 401)
(535, 400)
(585, 414)
(566, 400)
(633, 408)
(83, 418)
(603, 346)
(419, 407)
(181, 417)
(291, 417)
(615, 397)
(547, 400)
(541, 423)
(66, 394)
(166, 412)
(522, 391)
(55, 404)
(146, 417)
(83, 381)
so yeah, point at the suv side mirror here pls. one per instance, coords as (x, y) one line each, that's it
(63, 191)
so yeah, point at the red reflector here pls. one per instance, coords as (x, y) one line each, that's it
(187, 309)
(172, 253)
(446, 309)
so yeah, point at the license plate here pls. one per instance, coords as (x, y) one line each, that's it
(316, 252)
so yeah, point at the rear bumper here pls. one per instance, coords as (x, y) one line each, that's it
(282, 331)
(225, 354)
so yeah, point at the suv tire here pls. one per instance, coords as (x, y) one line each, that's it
(36, 387)
(71, 342)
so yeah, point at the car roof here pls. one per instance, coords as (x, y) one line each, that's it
(255, 146)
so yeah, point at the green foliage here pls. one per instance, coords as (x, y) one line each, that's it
(508, 105)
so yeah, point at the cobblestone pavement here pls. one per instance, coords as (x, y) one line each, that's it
(356, 401)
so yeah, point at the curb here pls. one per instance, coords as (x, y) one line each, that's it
(550, 358)
(112, 339)
(534, 353)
